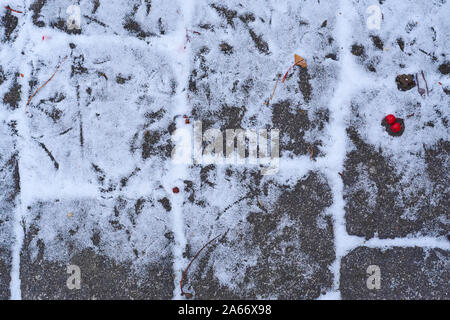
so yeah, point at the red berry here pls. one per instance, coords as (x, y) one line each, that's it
(396, 127)
(390, 118)
(175, 190)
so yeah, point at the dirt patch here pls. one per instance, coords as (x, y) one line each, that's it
(229, 15)
(36, 7)
(405, 82)
(226, 48)
(357, 50)
(445, 68)
(12, 97)
(10, 22)
(377, 42)
(260, 44)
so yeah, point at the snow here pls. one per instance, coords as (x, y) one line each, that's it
(116, 118)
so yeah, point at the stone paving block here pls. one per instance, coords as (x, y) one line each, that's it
(10, 186)
(396, 186)
(221, 88)
(405, 273)
(90, 116)
(101, 278)
(5, 273)
(278, 236)
(380, 202)
(117, 258)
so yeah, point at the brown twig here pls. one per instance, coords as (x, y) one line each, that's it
(187, 36)
(311, 152)
(274, 88)
(194, 32)
(103, 75)
(189, 265)
(16, 11)
(425, 80)
(419, 89)
(46, 81)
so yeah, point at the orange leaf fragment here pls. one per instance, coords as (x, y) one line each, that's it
(300, 61)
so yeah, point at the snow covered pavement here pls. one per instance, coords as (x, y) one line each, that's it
(86, 171)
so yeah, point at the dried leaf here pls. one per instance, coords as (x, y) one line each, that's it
(300, 61)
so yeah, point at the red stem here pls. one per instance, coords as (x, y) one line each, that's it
(7, 7)
(286, 74)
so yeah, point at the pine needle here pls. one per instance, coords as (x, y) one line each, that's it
(188, 295)
(274, 89)
(46, 81)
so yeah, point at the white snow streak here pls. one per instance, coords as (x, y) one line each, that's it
(23, 142)
(179, 50)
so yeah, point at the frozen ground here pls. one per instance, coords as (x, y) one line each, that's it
(86, 174)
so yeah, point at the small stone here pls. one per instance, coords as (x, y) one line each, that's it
(405, 82)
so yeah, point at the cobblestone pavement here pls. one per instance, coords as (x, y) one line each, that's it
(87, 180)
